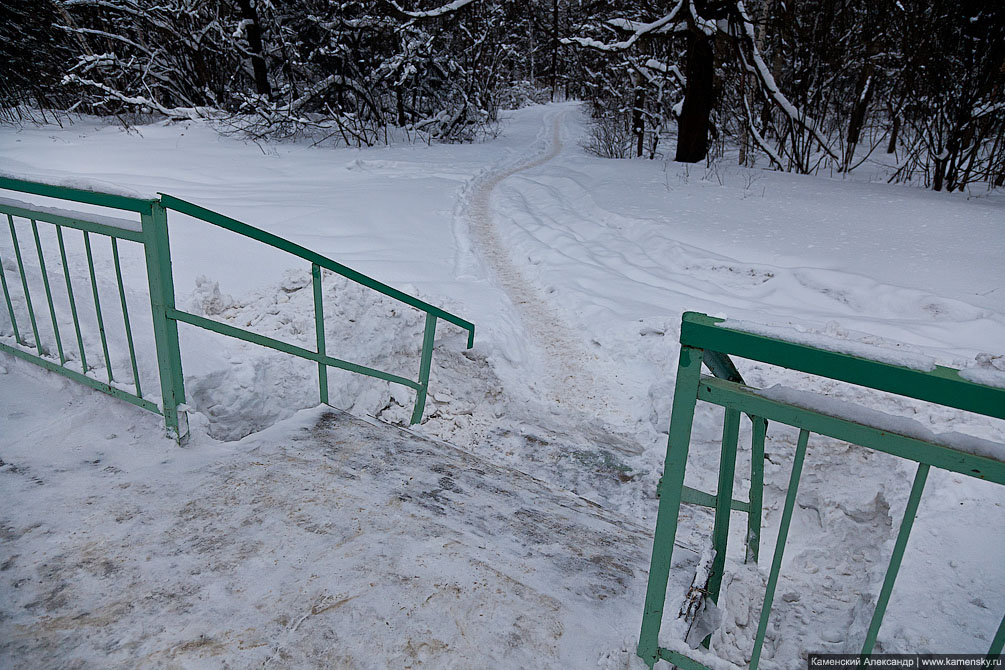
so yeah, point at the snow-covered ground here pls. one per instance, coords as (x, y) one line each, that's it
(576, 271)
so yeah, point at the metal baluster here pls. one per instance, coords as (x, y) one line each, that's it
(73, 303)
(24, 285)
(783, 533)
(97, 305)
(48, 292)
(125, 317)
(913, 500)
(10, 305)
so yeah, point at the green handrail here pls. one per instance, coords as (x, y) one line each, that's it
(706, 340)
(151, 232)
(72, 194)
(233, 225)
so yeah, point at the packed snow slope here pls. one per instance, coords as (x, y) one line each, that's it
(576, 271)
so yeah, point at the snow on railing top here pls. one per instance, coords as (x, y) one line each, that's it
(75, 189)
(865, 346)
(989, 370)
(892, 369)
(79, 184)
(890, 423)
(101, 219)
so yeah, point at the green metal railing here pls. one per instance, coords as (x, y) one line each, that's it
(151, 231)
(704, 340)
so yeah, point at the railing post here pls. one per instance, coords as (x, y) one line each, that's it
(157, 249)
(685, 397)
(424, 363)
(319, 327)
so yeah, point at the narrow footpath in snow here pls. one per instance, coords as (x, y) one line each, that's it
(565, 376)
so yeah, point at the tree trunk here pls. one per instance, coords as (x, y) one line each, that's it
(863, 93)
(692, 129)
(894, 130)
(554, 49)
(940, 173)
(255, 42)
(638, 120)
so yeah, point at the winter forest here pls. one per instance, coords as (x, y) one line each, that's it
(806, 87)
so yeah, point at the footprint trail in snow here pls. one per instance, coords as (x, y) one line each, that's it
(564, 376)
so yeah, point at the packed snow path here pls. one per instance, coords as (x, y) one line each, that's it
(566, 379)
(324, 541)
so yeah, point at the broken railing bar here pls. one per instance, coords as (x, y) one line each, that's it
(97, 304)
(939, 456)
(254, 338)
(69, 294)
(110, 200)
(217, 219)
(125, 317)
(81, 378)
(48, 292)
(943, 386)
(72, 222)
(24, 285)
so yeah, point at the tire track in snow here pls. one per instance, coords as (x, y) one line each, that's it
(563, 376)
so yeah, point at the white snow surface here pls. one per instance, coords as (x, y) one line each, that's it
(576, 271)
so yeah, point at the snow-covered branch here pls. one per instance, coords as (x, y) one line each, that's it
(668, 21)
(443, 10)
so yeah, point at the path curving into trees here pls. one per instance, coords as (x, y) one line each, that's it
(564, 376)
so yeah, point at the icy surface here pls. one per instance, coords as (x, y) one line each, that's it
(323, 541)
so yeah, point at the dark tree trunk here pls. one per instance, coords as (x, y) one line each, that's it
(940, 174)
(894, 131)
(863, 93)
(255, 42)
(638, 120)
(554, 49)
(699, 94)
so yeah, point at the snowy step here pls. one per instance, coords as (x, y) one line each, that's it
(325, 541)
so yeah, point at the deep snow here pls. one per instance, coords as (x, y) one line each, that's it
(576, 271)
